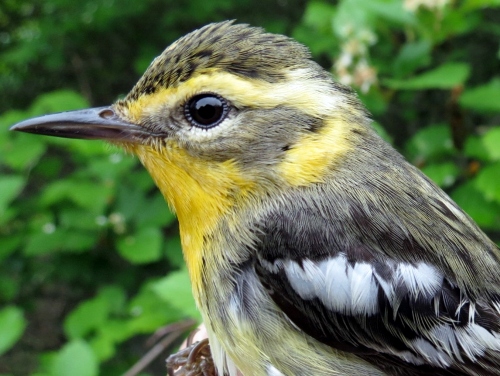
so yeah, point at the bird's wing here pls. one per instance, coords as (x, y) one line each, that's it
(333, 282)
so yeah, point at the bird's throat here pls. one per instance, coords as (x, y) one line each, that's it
(200, 193)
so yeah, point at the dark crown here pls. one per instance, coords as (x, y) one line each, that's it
(238, 49)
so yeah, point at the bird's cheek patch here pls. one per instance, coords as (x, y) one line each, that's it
(313, 156)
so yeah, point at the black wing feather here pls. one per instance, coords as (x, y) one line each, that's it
(302, 230)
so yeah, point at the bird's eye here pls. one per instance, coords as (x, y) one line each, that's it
(206, 110)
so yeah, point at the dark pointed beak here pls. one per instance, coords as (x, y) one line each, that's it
(100, 123)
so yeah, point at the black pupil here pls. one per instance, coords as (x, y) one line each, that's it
(206, 110)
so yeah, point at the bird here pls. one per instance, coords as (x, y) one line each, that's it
(313, 247)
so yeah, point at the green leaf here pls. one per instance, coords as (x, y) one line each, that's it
(12, 325)
(55, 239)
(350, 14)
(114, 296)
(472, 5)
(390, 10)
(103, 347)
(42, 243)
(46, 363)
(430, 143)
(491, 141)
(446, 76)
(78, 241)
(173, 251)
(93, 314)
(318, 14)
(78, 218)
(375, 101)
(149, 312)
(109, 335)
(10, 187)
(22, 151)
(412, 56)
(129, 201)
(50, 167)
(86, 194)
(81, 150)
(116, 330)
(76, 358)
(9, 287)
(361, 15)
(85, 318)
(111, 166)
(154, 212)
(57, 101)
(142, 247)
(488, 183)
(8, 244)
(84, 149)
(484, 98)
(471, 200)
(474, 148)
(175, 289)
(443, 174)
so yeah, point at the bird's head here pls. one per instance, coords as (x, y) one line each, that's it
(225, 113)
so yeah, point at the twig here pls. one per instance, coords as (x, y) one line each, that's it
(174, 331)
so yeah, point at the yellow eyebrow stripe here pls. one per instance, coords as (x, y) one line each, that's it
(315, 97)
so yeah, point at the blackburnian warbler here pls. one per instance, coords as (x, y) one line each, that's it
(313, 247)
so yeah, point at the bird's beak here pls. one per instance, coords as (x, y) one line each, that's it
(100, 123)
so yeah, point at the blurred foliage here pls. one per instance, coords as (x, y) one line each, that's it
(90, 258)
